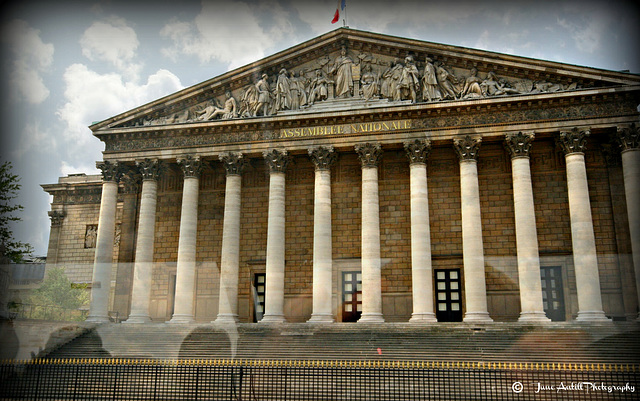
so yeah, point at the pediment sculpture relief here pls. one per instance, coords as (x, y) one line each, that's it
(351, 78)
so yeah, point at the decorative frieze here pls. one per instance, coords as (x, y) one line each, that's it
(57, 217)
(191, 166)
(369, 154)
(574, 141)
(629, 137)
(150, 169)
(323, 157)
(111, 172)
(277, 160)
(467, 148)
(519, 145)
(234, 163)
(418, 150)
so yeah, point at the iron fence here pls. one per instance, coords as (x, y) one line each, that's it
(256, 380)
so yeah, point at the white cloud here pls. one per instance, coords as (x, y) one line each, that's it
(226, 31)
(31, 58)
(34, 137)
(114, 42)
(67, 168)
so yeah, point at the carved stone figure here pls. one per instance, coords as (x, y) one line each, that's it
(318, 88)
(264, 95)
(409, 81)
(390, 79)
(212, 111)
(492, 86)
(446, 81)
(283, 91)
(91, 236)
(342, 69)
(249, 102)
(369, 83)
(430, 90)
(472, 88)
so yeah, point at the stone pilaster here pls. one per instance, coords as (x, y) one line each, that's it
(531, 306)
(323, 158)
(277, 161)
(629, 141)
(370, 155)
(101, 282)
(475, 286)
(573, 144)
(186, 266)
(421, 268)
(234, 163)
(150, 171)
(57, 218)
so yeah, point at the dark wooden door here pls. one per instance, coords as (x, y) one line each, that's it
(259, 281)
(552, 292)
(448, 295)
(351, 296)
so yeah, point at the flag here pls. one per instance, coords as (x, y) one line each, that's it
(336, 16)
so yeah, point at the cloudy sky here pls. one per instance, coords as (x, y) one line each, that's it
(68, 63)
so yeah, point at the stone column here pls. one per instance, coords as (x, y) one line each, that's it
(531, 306)
(421, 269)
(585, 261)
(230, 258)
(143, 266)
(629, 141)
(475, 286)
(103, 262)
(277, 161)
(186, 266)
(57, 217)
(323, 158)
(370, 154)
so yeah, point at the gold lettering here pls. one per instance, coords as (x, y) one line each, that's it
(407, 124)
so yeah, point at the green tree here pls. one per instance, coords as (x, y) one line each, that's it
(9, 187)
(58, 298)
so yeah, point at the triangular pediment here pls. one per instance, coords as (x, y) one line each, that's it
(348, 69)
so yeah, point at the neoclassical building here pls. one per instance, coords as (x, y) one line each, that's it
(364, 177)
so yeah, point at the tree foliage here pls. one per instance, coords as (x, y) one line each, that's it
(58, 296)
(9, 187)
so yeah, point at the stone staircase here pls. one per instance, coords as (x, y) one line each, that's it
(613, 343)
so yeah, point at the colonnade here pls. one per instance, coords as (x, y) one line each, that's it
(518, 144)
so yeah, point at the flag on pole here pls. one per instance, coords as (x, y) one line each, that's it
(336, 16)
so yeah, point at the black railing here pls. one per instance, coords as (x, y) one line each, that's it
(255, 380)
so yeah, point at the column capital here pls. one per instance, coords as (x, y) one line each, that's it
(234, 162)
(276, 159)
(57, 217)
(111, 171)
(369, 153)
(191, 166)
(418, 150)
(150, 169)
(323, 157)
(519, 144)
(628, 137)
(467, 148)
(573, 141)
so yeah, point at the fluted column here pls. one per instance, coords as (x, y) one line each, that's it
(230, 258)
(323, 158)
(186, 265)
(629, 141)
(475, 286)
(277, 161)
(143, 266)
(421, 268)
(101, 281)
(531, 307)
(585, 261)
(370, 154)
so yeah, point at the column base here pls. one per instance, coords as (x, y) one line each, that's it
(181, 319)
(371, 318)
(273, 319)
(527, 317)
(321, 318)
(226, 318)
(98, 319)
(423, 318)
(137, 319)
(477, 317)
(592, 316)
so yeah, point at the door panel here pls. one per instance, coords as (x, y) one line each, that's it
(552, 292)
(448, 295)
(351, 296)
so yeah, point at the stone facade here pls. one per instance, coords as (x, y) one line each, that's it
(478, 116)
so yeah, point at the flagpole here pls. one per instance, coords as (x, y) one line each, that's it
(344, 21)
